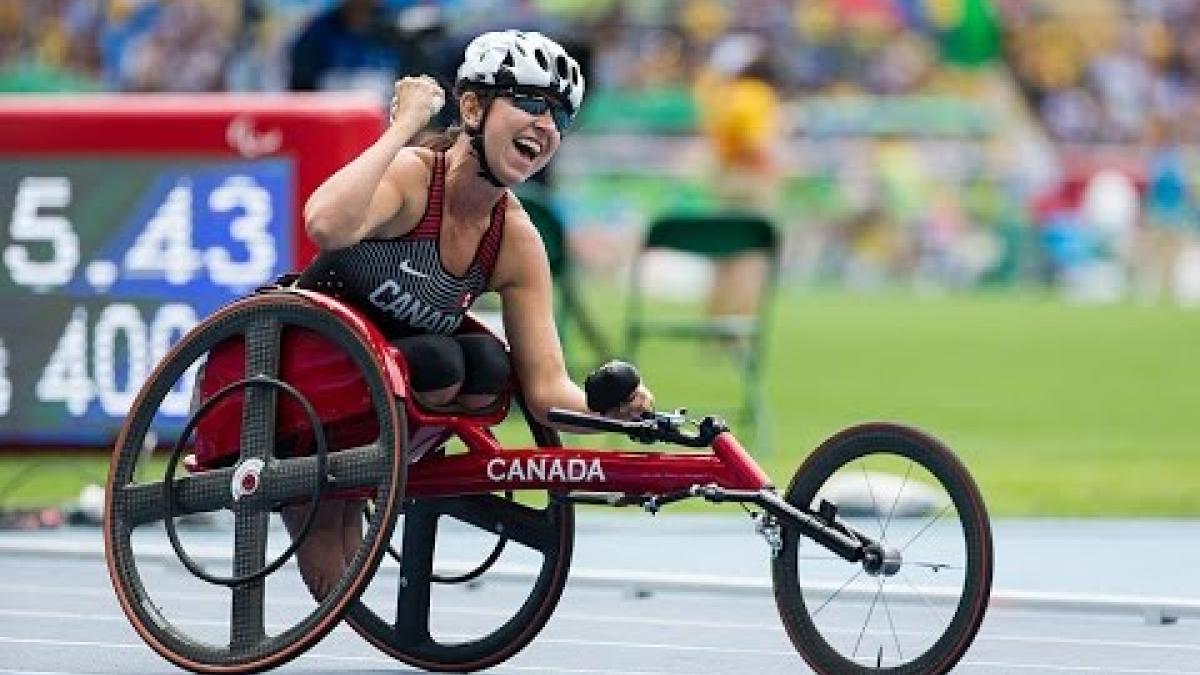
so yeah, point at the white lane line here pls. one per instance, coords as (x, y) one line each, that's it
(121, 618)
(983, 637)
(301, 601)
(70, 616)
(71, 643)
(559, 641)
(106, 592)
(600, 643)
(10, 671)
(665, 647)
(1074, 669)
(304, 657)
(1087, 642)
(500, 671)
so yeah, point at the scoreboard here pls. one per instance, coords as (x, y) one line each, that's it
(126, 220)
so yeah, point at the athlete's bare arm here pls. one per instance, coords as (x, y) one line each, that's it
(357, 200)
(522, 277)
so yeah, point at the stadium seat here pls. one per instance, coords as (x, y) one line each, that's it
(741, 336)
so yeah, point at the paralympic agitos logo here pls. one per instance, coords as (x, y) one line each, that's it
(546, 469)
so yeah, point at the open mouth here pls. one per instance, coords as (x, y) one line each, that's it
(529, 148)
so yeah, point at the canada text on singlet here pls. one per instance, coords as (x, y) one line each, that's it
(401, 283)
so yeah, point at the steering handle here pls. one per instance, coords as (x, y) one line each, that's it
(652, 428)
(610, 385)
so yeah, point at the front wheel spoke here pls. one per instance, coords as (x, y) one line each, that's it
(838, 592)
(867, 621)
(936, 517)
(143, 503)
(892, 624)
(247, 627)
(936, 567)
(525, 525)
(895, 501)
(924, 599)
(874, 504)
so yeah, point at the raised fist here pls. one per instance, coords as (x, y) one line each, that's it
(417, 99)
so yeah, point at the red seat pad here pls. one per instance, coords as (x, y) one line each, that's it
(321, 371)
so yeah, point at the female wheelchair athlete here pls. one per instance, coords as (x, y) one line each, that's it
(296, 397)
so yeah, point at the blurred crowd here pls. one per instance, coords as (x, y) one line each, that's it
(1108, 70)
(875, 46)
(876, 125)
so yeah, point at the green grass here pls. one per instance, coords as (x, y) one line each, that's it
(1056, 409)
(39, 477)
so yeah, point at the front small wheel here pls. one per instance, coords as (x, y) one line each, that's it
(916, 600)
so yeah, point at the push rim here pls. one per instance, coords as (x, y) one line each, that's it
(168, 484)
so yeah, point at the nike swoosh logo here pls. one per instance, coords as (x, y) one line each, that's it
(407, 268)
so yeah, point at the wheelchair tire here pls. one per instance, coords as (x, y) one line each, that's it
(910, 492)
(407, 636)
(247, 636)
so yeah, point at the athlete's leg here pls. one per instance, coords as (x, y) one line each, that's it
(436, 371)
(321, 555)
(487, 370)
(436, 367)
(352, 521)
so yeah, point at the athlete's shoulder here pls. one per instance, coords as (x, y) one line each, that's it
(522, 253)
(516, 218)
(414, 162)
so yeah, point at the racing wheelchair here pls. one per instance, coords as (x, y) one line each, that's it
(880, 548)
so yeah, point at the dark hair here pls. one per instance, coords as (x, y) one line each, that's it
(443, 140)
(763, 69)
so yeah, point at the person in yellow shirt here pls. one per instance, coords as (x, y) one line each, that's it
(740, 117)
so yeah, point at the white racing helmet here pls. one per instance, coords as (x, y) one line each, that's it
(515, 58)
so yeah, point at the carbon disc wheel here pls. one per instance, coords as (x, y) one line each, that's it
(914, 605)
(220, 599)
(412, 614)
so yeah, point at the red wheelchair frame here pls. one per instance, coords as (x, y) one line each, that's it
(486, 467)
(327, 390)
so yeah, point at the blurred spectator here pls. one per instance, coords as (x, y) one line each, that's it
(740, 116)
(256, 63)
(890, 106)
(1171, 216)
(740, 111)
(1098, 71)
(1111, 207)
(186, 49)
(50, 46)
(351, 46)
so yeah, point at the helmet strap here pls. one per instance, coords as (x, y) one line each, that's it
(476, 136)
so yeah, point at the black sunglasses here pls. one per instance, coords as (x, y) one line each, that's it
(537, 104)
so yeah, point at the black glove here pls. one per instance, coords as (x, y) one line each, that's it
(610, 385)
